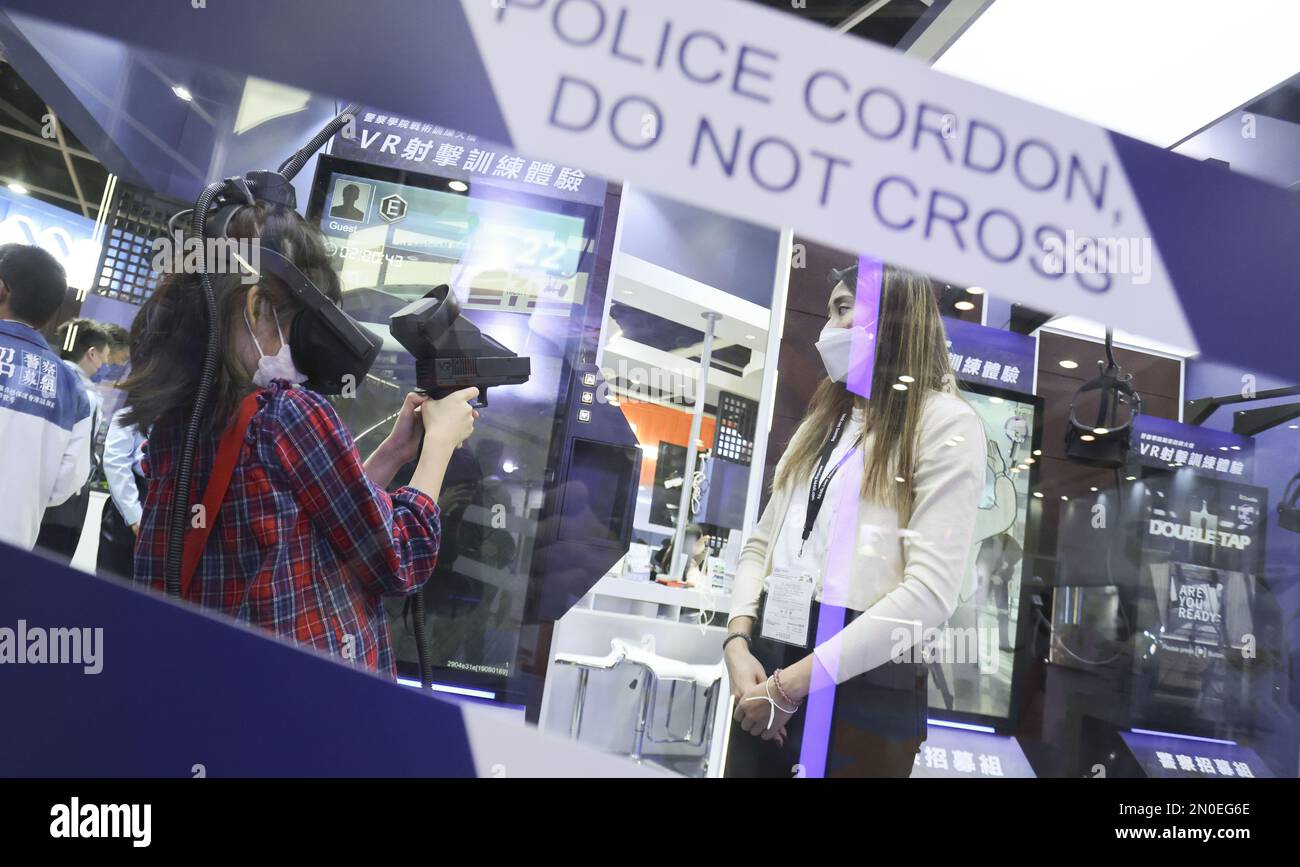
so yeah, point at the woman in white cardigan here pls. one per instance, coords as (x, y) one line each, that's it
(861, 549)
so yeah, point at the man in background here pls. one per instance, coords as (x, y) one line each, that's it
(46, 416)
(84, 346)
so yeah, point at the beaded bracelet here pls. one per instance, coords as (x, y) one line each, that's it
(727, 640)
(776, 679)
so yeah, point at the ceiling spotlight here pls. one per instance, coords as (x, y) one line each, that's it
(975, 290)
(508, 466)
(905, 378)
(1038, 494)
(1030, 460)
(182, 93)
(1038, 452)
(1130, 478)
(964, 305)
(1068, 364)
(1101, 431)
(458, 186)
(1087, 438)
(17, 189)
(899, 479)
(1236, 448)
(898, 386)
(1294, 426)
(1093, 489)
(995, 400)
(1065, 498)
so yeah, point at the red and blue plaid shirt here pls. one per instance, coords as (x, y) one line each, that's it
(305, 545)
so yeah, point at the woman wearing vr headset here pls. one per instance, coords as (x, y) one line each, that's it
(862, 546)
(305, 541)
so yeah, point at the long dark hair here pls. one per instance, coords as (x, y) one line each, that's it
(909, 342)
(168, 333)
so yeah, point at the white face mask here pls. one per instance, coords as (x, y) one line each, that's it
(835, 347)
(278, 366)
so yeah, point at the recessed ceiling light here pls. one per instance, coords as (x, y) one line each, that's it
(182, 93)
(1068, 364)
(17, 189)
(995, 400)
(964, 305)
(905, 378)
(1294, 426)
(975, 290)
(1024, 466)
(1130, 478)
(1087, 438)
(1029, 460)
(1093, 489)
(1236, 448)
(458, 186)
(1064, 497)
(1038, 452)
(1038, 494)
(898, 386)
(1101, 431)
(899, 479)
(751, 336)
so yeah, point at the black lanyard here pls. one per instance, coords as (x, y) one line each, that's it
(819, 485)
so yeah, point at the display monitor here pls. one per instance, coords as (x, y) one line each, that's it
(973, 667)
(520, 265)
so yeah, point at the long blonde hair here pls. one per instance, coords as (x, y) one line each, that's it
(909, 342)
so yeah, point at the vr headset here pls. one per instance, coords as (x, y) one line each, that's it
(1288, 510)
(328, 345)
(1105, 442)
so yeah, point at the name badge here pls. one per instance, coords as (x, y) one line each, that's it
(787, 609)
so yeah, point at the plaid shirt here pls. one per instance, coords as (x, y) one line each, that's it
(305, 544)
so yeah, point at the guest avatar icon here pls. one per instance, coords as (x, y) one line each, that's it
(345, 207)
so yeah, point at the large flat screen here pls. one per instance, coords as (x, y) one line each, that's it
(975, 673)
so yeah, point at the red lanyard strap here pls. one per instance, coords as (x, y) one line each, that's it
(196, 538)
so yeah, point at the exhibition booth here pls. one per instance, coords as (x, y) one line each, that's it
(1130, 597)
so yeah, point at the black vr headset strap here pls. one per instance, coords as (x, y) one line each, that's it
(1291, 494)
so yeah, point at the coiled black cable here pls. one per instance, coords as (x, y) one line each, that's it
(290, 167)
(422, 640)
(180, 502)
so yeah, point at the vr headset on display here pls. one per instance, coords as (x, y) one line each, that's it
(1105, 442)
(1288, 509)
